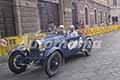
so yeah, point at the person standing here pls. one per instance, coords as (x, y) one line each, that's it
(51, 27)
(82, 26)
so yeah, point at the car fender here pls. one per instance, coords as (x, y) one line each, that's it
(88, 38)
(49, 52)
(19, 48)
(86, 41)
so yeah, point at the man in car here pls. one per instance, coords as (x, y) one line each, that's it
(72, 32)
(61, 30)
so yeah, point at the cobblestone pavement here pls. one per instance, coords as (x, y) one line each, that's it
(103, 64)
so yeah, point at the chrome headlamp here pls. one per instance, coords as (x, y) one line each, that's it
(37, 44)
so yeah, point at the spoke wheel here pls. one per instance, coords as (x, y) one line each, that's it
(89, 47)
(14, 62)
(53, 64)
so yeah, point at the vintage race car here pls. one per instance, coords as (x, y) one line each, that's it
(49, 52)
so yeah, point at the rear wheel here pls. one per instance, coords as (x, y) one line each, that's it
(89, 47)
(53, 64)
(14, 62)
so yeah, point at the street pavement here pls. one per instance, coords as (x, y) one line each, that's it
(103, 64)
(3, 59)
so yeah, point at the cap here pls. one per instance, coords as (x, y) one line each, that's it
(72, 26)
(61, 26)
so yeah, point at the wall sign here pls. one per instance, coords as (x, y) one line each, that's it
(53, 1)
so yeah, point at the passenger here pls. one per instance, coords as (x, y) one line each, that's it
(72, 32)
(61, 30)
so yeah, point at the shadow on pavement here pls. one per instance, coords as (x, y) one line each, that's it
(37, 73)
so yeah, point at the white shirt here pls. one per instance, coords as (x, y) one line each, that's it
(73, 34)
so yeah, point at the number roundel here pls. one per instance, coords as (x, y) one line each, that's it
(72, 44)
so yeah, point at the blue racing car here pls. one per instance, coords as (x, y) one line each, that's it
(49, 52)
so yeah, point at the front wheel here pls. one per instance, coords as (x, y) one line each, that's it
(53, 64)
(14, 62)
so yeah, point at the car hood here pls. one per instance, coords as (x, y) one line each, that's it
(52, 37)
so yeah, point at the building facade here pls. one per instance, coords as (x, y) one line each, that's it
(18, 17)
(93, 13)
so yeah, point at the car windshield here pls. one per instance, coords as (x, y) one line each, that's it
(51, 35)
(58, 31)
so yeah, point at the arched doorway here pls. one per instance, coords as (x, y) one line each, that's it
(49, 14)
(86, 16)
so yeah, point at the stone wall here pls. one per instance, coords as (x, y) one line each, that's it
(7, 27)
(67, 13)
(27, 16)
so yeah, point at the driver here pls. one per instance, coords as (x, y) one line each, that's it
(61, 30)
(72, 32)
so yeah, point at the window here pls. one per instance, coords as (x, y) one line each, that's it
(115, 19)
(74, 14)
(106, 17)
(108, 2)
(114, 2)
(95, 14)
(101, 17)
(86, 16)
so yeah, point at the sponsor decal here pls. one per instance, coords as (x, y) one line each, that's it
(3, 42)
(72, 44)
(80, 42)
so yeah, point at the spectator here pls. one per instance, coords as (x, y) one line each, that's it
(51, 27)
(77, 25)
(82, 25)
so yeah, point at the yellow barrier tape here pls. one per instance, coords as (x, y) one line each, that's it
(25, 39)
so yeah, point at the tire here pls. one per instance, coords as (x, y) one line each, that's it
(13, 66)
(89, 47)
(53, 64)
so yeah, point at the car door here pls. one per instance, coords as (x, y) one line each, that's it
(72, 45)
